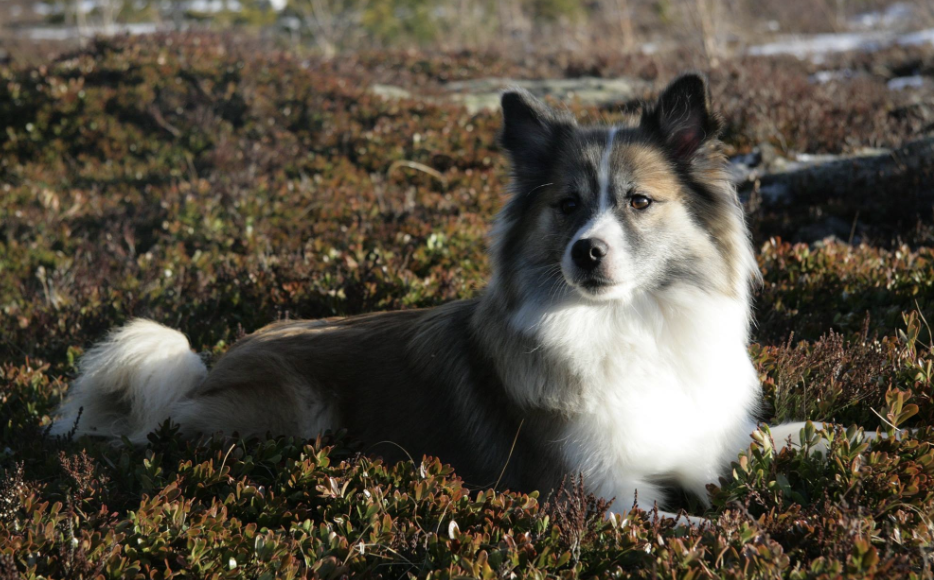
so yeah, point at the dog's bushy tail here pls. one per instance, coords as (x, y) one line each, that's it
(128, 384)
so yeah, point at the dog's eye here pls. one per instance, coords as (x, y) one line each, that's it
(568, 206)
(639, 202)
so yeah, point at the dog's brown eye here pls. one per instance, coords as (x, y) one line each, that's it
(640, 202)
(568, 206)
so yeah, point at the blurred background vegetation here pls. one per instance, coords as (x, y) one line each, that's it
(715, 27)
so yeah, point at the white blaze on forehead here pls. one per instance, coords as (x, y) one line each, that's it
(603, 219)
(603, 173)
(604, 223)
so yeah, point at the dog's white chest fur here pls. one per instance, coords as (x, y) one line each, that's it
(661, 388)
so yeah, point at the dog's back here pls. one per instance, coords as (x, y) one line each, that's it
(407, 384)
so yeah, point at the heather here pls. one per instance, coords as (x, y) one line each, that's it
(216, 184)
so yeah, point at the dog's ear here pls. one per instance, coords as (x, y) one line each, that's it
(682, 117)
(531, 129)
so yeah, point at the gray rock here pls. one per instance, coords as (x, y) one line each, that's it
(484, 94)
(390, 91)
(815, 177)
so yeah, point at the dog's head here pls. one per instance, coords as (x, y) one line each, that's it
(605, 213)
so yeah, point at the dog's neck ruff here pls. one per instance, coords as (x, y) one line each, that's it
(562, 354)
(628, 382)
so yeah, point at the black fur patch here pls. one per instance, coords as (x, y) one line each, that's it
(682, 119)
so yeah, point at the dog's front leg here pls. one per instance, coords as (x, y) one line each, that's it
(647, 497)
(789, 435)
(681, 519)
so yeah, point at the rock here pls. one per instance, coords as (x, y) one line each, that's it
(390, 91)
(484, 94)
(871, 193)
(818, 177)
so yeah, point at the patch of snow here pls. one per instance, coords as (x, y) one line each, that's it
(292, 23)
(912, 82)
(67, 33)
(803, 160)
(915, 38)
(815, 158)
(891, 16)
(825, 76)
(803, 46)
(49, 33)
(46, 9)
(55, 8)
(799, 161)
(213, 6)
(819, 44)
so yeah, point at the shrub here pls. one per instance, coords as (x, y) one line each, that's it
(216, 185)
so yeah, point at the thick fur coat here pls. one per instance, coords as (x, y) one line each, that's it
(611, 340)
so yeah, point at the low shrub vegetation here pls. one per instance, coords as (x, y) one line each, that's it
(217, 185)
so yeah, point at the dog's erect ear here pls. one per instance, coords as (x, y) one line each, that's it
(530, 129)
(682, 116)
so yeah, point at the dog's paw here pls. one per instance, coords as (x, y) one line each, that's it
(681, 519)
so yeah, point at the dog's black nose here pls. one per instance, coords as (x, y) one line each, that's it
(588, 252)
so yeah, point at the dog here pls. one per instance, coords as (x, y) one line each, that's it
(611, 340)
